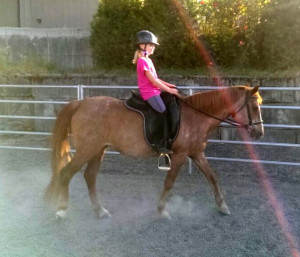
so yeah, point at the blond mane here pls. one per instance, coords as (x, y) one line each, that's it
(214, 100)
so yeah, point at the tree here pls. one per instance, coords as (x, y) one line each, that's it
(116, 23)
(277, 37)
(113, 31)
(244, 33)
(177, 49)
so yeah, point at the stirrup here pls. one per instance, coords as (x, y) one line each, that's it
(164, 162)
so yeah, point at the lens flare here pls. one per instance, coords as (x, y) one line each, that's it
(270, 192)
(198, 43)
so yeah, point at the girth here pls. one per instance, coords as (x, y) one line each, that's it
(153, 120)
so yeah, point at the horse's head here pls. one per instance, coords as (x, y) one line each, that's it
(249, 113)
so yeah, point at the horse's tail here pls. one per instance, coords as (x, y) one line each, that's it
(60, 147)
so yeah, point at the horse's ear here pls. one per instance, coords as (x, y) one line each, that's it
(254, 90)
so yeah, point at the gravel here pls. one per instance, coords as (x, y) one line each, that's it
(264, 204)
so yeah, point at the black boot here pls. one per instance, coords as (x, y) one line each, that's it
(163, 149)
(163, 146)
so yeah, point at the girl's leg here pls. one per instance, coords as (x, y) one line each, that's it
(157, 103)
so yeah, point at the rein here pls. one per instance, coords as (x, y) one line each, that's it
(230, 121)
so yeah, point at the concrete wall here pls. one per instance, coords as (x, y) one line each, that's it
(47, 13)
(57, 13)
(9, 13)
(66, 48)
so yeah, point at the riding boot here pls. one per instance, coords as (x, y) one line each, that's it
(163, 147)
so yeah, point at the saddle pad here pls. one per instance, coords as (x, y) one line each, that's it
(152, 119)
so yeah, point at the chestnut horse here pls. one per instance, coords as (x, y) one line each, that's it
(94, 124)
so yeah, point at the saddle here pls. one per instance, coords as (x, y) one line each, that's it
(153, 122)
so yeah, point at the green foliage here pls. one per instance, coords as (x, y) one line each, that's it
(277, 37)
(176, 49)
(113, 31)
(228, 26)
(115, 26)
(262, 34)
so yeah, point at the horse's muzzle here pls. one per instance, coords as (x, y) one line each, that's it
(256, 131)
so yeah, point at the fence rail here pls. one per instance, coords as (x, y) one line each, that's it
(81, 95)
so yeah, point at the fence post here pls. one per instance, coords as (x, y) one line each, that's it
(80, 92)
(189, 159)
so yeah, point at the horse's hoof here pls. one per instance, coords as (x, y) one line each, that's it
(103, 213)
(61, 214)
(165, 214)
(223, 208)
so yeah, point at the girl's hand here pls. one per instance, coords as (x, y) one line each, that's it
(172, 86)
(173, 91)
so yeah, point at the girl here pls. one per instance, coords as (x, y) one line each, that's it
(150, 85)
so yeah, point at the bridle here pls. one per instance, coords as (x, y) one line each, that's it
(251, 123)
(232, 122)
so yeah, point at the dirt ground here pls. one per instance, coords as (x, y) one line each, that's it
(129, 189)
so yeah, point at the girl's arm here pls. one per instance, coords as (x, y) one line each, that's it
(167, 84)
(161, 84)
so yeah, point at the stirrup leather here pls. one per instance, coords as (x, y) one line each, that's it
(164, 162)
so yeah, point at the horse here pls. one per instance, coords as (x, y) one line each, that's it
(94, 124)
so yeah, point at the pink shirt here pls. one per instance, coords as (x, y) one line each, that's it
(147, 90)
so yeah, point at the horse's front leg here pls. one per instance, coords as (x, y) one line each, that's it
(177, 163)
(204, 166)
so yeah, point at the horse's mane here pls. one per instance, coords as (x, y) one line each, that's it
(213, 101)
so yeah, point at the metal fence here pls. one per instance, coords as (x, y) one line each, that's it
(80, 92)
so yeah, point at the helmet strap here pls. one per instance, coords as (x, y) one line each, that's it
(144, 50)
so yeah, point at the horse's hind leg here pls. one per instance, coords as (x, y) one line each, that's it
(204, 166)
(90, 176)
(65, 177)
(177, 163)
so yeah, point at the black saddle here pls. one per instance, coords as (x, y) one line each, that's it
(153, 122)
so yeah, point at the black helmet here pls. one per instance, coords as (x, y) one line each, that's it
(146, 37)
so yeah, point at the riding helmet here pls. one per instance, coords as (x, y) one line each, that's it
(146, 37)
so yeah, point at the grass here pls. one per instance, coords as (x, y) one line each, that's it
(235, 72)
(26, 66)
(35, 66)
(223, 72)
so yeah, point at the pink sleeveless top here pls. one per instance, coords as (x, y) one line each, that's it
(146, 88)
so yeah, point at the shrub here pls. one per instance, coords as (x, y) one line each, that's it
(277, 38)
(261, 34)
(116, 23)
(113, 31)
